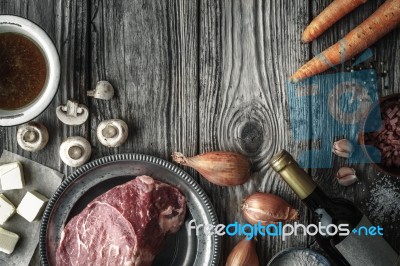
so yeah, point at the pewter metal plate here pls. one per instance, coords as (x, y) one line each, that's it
(98, 176)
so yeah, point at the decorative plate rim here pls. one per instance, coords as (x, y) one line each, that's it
(125, 157)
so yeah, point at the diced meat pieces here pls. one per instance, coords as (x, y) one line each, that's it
(387, 139)
(391, 112)
(124, 226)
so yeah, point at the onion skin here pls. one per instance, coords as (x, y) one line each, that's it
(218, 167)
(267, 209)
(243, 254)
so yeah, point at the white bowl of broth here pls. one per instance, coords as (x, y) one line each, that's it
(29, 70)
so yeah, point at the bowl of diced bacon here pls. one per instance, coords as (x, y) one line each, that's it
(386, 139)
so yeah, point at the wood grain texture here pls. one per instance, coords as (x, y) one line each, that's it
(196, 76)
(385, 51)
(148, 51)
(247, 50)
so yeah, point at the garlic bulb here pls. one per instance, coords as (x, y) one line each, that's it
(346, 176)
(219, 167)
(243, 254)
(267, 208)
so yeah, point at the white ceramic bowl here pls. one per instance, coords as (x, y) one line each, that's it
(42, 40)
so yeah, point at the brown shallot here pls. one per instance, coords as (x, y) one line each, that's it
(218, 167)
(243, 254)
(267, 208)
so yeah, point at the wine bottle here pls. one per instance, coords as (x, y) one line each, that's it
(349, 249)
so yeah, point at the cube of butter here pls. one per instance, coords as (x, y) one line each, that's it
(7, 209)
(12, 176)
(8, 240)
(32, 205)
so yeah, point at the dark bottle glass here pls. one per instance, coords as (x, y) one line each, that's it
(341, 212)
(333, 211)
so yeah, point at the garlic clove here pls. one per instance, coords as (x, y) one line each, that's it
(346, 176)
(104, 91)
(343, 148)
(218, 167)
(267, 208)
(243, 254)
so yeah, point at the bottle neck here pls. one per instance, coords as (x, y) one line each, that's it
(298, 180)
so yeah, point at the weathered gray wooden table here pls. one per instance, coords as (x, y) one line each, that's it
(196, 76)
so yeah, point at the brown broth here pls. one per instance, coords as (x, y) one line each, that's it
(23, 71)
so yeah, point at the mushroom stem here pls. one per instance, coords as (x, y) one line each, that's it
(90, 93)
(75, 152)
(104, 91)
(30, 136)
(109, 131)
(72, 113)
(112, 133)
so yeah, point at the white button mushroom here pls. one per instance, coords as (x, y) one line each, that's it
(32, 136)
(75, 151)
(72, 113)
(112, 133)
(104, 91)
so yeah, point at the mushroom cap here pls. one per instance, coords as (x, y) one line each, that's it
(72, 113)
(32, 136)
(75, 151)
(104, 90)
(112, 133)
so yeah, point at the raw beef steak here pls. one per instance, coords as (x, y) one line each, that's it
(124, 226)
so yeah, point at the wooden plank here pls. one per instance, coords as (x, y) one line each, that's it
(66, 24)
(386, 51)
(148, 51)
(247, 51)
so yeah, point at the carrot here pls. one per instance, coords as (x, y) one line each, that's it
(383, 20)
(330, 15)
